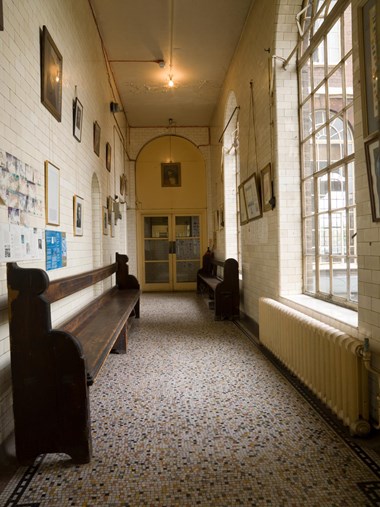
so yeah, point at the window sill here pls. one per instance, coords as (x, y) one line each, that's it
(341, 318)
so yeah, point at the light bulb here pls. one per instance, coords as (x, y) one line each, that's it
(171, 82)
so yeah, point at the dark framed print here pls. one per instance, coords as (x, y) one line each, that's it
(105, 220)
(242, 206)
(372, 150)
(96, 138)
(252, 198)
(51, 75)
(1, 16)
(171, 174)
(78, 215)
(266, 188)
(369, 65)
(78, 119)
(51, 193)
(108, 157)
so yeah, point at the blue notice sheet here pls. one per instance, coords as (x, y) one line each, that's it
(56, 250)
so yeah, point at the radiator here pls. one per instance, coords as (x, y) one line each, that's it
(324, 359)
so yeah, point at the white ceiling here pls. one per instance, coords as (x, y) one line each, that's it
(205, 34)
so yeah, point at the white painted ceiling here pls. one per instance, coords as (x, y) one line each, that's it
(198, 37)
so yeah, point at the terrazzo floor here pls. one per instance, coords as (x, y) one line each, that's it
(195, 414)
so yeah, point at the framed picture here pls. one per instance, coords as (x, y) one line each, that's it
(105, 220)
(78, 119)
(1, 16)
(266, 188)
(96, 138)
(51, 193)
(112, 225)
(372, 150)
(51, 75)
(369, 65)
(252, 198)
(108, 157)
(123, 185)
(171, 174)
(78, 215)
(242, 206)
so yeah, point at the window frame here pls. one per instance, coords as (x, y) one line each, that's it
(311, 132)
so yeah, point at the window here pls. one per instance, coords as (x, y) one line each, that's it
(327, 152)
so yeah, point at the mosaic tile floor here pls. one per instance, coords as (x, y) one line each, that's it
(195, 414)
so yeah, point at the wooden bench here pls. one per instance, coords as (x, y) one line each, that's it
(52, 368)
(221, 280)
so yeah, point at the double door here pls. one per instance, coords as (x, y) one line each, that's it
(172, 251)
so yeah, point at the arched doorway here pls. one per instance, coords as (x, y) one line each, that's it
(171, 200)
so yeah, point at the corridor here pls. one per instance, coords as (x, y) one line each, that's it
(195, 414)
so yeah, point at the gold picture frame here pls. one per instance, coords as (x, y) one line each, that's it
(51, 75)
(170, 174)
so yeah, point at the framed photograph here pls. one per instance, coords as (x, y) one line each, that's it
(78, 215)
(108, 157)
(372, 150)
(266, 188)
(242, 206)
(171, 174)
(96, 138)
(1, 16)
(252, 198)
(78, 119)
(369, 65)
(51, 193)
(105, 220)
(51, 75)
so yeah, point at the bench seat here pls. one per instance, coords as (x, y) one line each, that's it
(103, 327)
(52, 368)
(221, 281)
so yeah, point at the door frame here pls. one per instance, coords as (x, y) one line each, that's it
(184, 286)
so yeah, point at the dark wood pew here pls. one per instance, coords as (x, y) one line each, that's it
(220, 279)
(52, 368)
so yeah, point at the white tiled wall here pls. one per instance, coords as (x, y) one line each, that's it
(32, 134)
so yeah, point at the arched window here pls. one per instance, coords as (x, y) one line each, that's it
(327, 151)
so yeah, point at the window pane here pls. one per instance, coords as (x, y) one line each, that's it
(310, 236)
(305, 80)
(324, 234)
(347, 30)
(320, 100)
(338, 233)
(352, 233)
(333, 45)
(335, 89)
(306, 119)
(337, 188)
(318, 64)
(324, 274)
(308, 192)
(309, 268)
(339, 277)
(308, 164)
